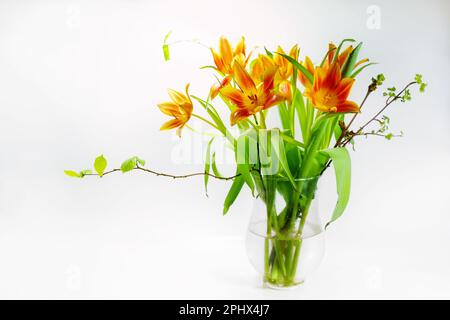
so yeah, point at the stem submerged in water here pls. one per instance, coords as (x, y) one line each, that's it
(284, 238)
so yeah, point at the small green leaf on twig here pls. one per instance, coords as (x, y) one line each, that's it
(422, 87)
(165, 47)
(131, 164)
(128, 165)
(100, 164)
(140, 161)
(72, 174)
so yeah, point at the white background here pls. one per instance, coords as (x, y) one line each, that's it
(81, 78)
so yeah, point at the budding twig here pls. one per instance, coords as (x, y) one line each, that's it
(162, 174)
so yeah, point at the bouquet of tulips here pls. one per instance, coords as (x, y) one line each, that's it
(310, 97)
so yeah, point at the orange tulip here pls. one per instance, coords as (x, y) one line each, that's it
(180, 108)
(329, 92)
(285, 68)
(250, 98)
(225, 57)
(259, 67)
(308, 66)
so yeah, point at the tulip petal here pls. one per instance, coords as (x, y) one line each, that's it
(348, 106)
(177, 97)
(243, 79)
(310, 67)
(332, 77)
(285, 90)
(294, 52)
(236, 96)
(218, 61)
(344, 55)
(238, 115)
(343, 89)
(169, 108)
(189, 105)
(331, 51)
(240, 47)
(269, 77)
(360, 62)
(225, 50)
(273, 100)
(171, 124)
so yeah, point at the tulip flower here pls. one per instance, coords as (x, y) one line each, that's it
(308, 66)
(250, 98)
(180, 108)
(285, 68)
(225, 57)
(329, 92)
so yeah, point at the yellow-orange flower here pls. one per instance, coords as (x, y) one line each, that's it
(226, 55)
(259, 67)
(329, 92)
(310, 67)
(285, 68)
(180, 108)
(250, 98)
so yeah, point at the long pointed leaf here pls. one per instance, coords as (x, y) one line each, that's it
(234, 191)
(354, 74)
(347, 69)
(342, 168)
(298, 66)
(207, 165)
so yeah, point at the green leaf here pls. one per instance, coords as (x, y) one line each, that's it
(100, 164)
(140, 161)
(73, 174)
(347, 69)
(291, 140)
(298, 66)
(207, 165)
(244, 158)
(358, 71)
(166, 52)
(281, 154)
(338, 50)
(165, 47)
(300, 108)
(213, 114)
(269, 53)
(284, 115)
(167, 36)
(128, 164)
(214, 165)
(342, 169)
(234, 191)
(209, 67)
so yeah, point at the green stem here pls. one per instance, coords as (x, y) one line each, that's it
(203, 119)
(299, 240)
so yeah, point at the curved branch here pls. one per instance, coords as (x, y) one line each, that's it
(162, 174)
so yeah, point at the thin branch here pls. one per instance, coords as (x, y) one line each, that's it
(375, 117)
(162, 174)
(371, 88)
(387, 105)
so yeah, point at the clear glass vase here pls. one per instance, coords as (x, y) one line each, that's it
(285, 239)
